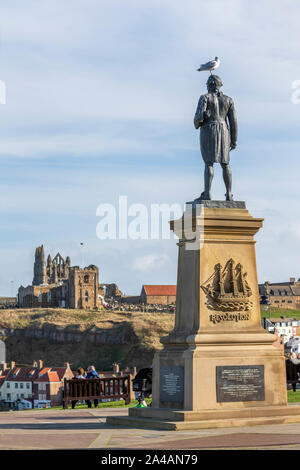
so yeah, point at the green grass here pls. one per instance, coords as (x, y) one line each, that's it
(274, 312)
(106, 404)
(293, 397)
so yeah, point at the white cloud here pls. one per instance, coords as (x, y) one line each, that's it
(150, 262)
(100, 102)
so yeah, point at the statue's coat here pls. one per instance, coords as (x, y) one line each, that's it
(216, 117)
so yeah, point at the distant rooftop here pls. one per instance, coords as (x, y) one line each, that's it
(160, 289)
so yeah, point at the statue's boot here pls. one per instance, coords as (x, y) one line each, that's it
(205, 196)
(229, 197)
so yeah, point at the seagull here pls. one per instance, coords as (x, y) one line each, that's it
(211, 65)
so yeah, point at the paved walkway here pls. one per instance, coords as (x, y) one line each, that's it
(86, 429)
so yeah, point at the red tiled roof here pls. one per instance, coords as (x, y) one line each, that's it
(50, 374)
(60, 371)
(44, 370)
(19, 374)
(53, 377)
(34, 374)
(160, 289)
(48, 377)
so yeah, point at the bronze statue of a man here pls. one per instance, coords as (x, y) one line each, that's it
(216, 117)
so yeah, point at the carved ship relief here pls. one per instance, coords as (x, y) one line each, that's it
(227, 288)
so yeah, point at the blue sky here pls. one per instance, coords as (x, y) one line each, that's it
(100, 103)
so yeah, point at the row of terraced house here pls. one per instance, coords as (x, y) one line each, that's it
(33, 386)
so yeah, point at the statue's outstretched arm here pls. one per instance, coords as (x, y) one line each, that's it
(233, 125)
(201, 108)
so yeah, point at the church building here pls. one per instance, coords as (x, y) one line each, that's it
(58, 284)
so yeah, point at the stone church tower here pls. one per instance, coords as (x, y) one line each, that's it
(39, 270)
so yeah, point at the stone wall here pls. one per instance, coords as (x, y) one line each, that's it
(159, 299)
(8, 302)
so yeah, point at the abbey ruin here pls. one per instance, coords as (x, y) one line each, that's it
(58, 284)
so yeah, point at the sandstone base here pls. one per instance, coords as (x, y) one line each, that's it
(179, 420)
(218, 367)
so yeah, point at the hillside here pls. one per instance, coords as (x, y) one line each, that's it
(82, 337)
(274, 313)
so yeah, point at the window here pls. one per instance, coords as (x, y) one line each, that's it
(27, 385)
(22, 395)
(42, 386)
(86, 296)
(21, 385)
(42, 396)
(86, 278)
(8, 396)
(7, 385)
(16, 385)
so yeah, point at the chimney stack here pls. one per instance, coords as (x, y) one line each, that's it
(40, 364)
(116, 368)
(292, 280)
(35, 364)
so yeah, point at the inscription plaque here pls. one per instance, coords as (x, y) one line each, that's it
(240, 383)
(172, 384)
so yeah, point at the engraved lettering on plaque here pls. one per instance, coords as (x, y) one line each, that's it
(172, 384)
(240, 383)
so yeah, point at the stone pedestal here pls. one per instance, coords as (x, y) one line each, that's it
(218, 366)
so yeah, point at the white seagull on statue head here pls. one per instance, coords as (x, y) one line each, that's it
(211, 65)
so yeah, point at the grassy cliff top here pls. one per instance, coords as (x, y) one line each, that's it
(130, 338)
(148, 326)
(83, 320)
(276, 313)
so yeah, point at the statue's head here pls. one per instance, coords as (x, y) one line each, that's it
(214, 83)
